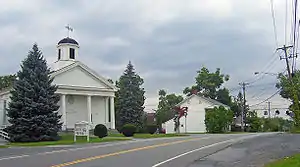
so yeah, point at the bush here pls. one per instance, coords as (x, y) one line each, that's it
(100, 131)
(152, 128)
(255, 122)
(276, 124)
(218, 119)
(128, 130)
(141, 130)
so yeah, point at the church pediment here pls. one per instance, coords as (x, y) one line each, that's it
(79, 75)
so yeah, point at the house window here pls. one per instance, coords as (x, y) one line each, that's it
(265, 112)
(59, 53)
(72, 53)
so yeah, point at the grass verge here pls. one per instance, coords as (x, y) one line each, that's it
(293, 161)
(68, 140)
(4, 146)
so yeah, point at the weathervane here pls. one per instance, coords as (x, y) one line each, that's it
(69, 29)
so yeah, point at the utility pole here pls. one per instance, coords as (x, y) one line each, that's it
(269, 108)
(294, 91)
(284, 48)
(243, 84)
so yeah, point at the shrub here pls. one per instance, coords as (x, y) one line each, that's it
(100, 131)
(152, 128)
(276, 124)
(142, 130)
(254, 121)
(128, 130)
(218, 119)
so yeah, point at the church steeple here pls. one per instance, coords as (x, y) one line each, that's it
(67, 50)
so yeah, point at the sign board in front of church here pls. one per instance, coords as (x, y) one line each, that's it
(81, 129)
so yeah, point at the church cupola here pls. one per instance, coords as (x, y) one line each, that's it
(67, 49)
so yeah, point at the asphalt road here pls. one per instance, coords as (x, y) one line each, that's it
(232, 150)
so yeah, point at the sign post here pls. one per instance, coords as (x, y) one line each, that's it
(82, 129)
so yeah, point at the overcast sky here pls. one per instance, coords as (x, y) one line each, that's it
(166, 40)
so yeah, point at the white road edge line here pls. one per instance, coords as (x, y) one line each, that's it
(93, 147)
(205, 147)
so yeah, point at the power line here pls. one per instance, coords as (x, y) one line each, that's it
(267, 68)
(297, 43)
(266, 98)
(285, 24)
(294, 28)
(274, 22)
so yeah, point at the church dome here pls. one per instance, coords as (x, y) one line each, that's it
(68, 40)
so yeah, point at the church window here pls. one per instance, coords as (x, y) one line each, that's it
(72, 53)
(59, 53)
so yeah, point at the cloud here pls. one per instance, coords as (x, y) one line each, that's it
(166, 40)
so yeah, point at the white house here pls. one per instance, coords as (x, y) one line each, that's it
(84, 95)
(194, 121)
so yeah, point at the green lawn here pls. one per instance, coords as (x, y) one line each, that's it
(3, 146)
(293, 161)
(69, 139)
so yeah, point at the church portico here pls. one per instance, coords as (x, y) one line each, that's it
(91, 108)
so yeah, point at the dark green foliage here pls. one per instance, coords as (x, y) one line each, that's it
(165, 107)
(291, 90)
(223, 96)
(100, 131)
(276, 124)
(33, 105)
(218, 119)
(255, 122)
(7, 81)
(208, 84)
(130, 98)
(129, 130)
(152, 128)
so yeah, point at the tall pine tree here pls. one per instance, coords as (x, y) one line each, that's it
(130, 98)
(33, 106)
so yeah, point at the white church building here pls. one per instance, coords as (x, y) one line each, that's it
(84, 94)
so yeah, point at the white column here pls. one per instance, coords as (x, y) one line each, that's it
(63, 111)
(112, 113)
(106, 111)
(89, 108)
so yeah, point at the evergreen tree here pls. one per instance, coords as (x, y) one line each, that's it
(130, 98)
(33, 106)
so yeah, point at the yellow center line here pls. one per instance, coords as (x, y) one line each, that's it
(121, 152)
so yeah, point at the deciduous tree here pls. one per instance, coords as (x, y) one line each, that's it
(208, 83)
(165, 106)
